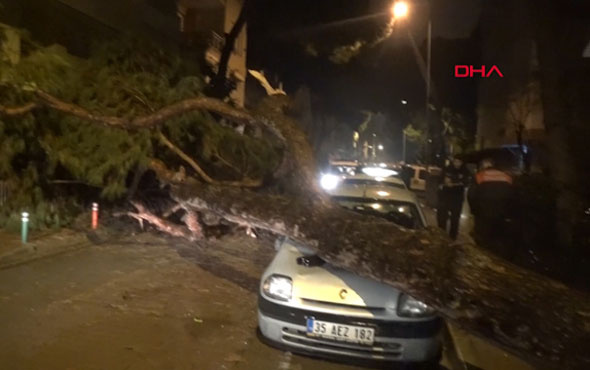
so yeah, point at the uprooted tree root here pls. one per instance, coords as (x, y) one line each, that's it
(191, 230)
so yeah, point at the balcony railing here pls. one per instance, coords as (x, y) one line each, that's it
(216, 41)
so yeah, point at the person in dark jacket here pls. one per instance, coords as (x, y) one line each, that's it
(490, 200)
(455, 178)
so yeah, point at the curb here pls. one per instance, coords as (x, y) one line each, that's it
(42, 248)
(478, 353)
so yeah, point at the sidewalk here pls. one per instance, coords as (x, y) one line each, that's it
(476, 353)
(13, 252)
(465, 223)
(470, 351)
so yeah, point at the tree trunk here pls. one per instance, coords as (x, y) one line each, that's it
(537, 318)
(219, 88)
(137, 175)
(556, 53)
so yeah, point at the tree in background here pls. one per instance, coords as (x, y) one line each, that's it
(454, 134)
(520, 108)
(416, 132)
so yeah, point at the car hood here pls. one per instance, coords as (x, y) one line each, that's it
(327, 284)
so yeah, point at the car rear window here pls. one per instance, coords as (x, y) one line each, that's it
(405, 214)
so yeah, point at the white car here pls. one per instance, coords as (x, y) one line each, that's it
(306, 305)
(309, 306)
(386, 197)
(417, 176)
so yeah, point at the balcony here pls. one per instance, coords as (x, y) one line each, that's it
(214, 47)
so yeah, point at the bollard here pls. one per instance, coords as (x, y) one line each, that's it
(25, 227)
(94, 216)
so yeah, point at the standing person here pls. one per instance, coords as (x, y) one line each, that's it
(490, 200)
(455, 177)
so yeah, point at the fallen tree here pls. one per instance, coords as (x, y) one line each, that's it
(540, 320)
(534, 317)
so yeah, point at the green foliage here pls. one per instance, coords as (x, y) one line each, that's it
(124, 78)
(455, 131)
(224, 152)
(415, 135)
(343, 54)
(452, 126)
(417, 132)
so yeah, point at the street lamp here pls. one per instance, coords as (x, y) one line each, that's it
(380, 147)
(399, 9)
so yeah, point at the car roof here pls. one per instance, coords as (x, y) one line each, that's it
(398, 192)
(390, 179)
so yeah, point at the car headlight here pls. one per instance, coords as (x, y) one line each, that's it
(278, 287)
(408, 306)
(329, 181)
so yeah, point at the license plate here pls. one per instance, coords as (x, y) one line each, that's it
(346, 333)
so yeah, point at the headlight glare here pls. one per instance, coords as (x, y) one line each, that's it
(408, 306)
(278, 287)
(329, 181)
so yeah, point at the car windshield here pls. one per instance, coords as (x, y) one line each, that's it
(371, 182)
(402, 213)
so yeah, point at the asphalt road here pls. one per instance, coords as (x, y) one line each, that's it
(140, 303)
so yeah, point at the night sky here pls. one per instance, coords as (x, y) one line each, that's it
(378, 78)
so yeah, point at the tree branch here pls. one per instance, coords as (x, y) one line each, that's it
(18, 111)
(152, 120)
(155, 119)
(247, 183)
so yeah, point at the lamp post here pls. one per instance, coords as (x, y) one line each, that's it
(400, 10)
(404, 145)
(428, 65)
(404, 136)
